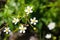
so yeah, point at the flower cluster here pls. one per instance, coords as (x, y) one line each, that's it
(33, 21)
(22, 29)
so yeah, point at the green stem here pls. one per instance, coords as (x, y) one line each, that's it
(15, 30)
(30, 24)
(6, 36)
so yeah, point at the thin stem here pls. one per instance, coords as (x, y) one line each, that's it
(6, 37)
(15, 30)
(28, 21)
(30, 24)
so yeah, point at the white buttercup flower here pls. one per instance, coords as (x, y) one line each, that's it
(51, 25)
(7, 30)
(48, 36)
(15, 20)
(33, 21)
(22, 29)
(28, 9)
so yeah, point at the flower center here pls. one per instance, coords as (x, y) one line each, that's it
(7, 30)
(14, 20)
(33, 20)
(28, 9)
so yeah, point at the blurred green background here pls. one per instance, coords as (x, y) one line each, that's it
(45, 11)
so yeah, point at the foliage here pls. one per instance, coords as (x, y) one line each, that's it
(45, 11)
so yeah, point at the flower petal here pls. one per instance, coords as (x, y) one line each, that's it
(6, 32)
(34, 23)
(34, 18)
(23, 31)
(20, 31)
(48, 36)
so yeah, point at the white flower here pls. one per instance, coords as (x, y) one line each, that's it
(7, 30)
(34, 21)
(28, 10)
(48, 36)
(22, 29)
(51, 25)
(15, 20)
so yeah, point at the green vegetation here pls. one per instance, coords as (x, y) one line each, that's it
(45, 11)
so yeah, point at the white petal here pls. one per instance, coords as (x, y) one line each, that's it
(9, 30)
(28, 7)
(15, 23)
(27, 13)
(31, 11)
(34, 18)
(17, 20)
(31, 19)
(19, 27)
(25, 28)
(51, 26)
(23, 31)
(48, 36)
(6, 32)
(26, 10)
(34, 23)
(31, 22)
